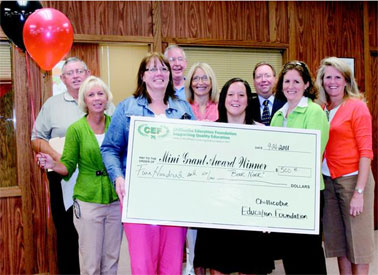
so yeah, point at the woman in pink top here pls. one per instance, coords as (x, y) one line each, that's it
(202, 91)
(349, 192)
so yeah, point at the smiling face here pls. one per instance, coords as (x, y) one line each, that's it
(201, 83)
(334, 83)
(156, 76)
(236, 100)
(293, 86)
(264, 81)
(96, 100)
(178, 62)
(73, 75)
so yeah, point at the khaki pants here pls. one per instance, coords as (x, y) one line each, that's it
(100, 234)
(344, 235)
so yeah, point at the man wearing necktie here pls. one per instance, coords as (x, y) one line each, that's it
(264, 107)
(264, 103)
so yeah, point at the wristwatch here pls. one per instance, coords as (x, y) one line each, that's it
(359, 190)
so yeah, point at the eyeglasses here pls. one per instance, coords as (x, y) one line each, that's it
(155, 69)
(259, 76)
(77, 71)
(173, 59)
(198, 78)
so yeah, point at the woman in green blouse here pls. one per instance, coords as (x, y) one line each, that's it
(97, 217)
(302, 253)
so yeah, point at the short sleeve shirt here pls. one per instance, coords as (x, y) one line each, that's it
(57, 113)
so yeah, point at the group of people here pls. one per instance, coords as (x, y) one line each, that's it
(96, 142)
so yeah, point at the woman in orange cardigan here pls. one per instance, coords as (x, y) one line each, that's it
(348, 209)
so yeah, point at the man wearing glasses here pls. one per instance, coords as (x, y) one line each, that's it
(56, 114)
(264, 104)
(177, 60)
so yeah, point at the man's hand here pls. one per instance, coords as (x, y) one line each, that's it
(40, 145)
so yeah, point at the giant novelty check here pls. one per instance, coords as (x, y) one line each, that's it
(219, 175)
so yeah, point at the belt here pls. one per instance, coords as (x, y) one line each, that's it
(101, 173)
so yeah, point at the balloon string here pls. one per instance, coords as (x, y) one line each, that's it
(33, 117)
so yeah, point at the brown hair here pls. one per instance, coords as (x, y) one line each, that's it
(262, 63)
(302, 68)
(222, 101)
(141, 89)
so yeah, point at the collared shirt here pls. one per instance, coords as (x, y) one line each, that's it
(270, 104)
(306, 115)
(57, 113)
(211, 111)
(180, 92)
(302, 103)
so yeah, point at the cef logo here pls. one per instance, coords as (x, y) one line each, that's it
(153, 131)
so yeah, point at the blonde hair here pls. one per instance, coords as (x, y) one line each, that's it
(213, 95)
(87, 85)
(351, 88)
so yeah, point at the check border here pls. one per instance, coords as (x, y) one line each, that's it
(127, 217)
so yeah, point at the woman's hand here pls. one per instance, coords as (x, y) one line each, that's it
(45, 161)
(357, 201)
(120, 188)
(356, 204)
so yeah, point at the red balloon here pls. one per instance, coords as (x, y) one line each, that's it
(48, 37)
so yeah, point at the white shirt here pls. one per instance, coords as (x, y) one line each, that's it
(100, 138)
(270, 104)
(302, 103)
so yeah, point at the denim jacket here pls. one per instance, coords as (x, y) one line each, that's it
(114, 146)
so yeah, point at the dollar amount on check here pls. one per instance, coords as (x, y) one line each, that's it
(219, 175)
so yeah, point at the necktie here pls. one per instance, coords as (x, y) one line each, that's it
(266, 114)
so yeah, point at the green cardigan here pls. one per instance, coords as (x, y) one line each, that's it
(310, 117)
(81, 147)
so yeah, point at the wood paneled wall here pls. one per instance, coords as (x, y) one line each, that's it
(328, 28)
(307, 31)
(258, 21)
(372, 19)
(12, 239)
(132, 18)
(89, 54)
(373, 25)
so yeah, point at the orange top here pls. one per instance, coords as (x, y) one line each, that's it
(350, 138)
